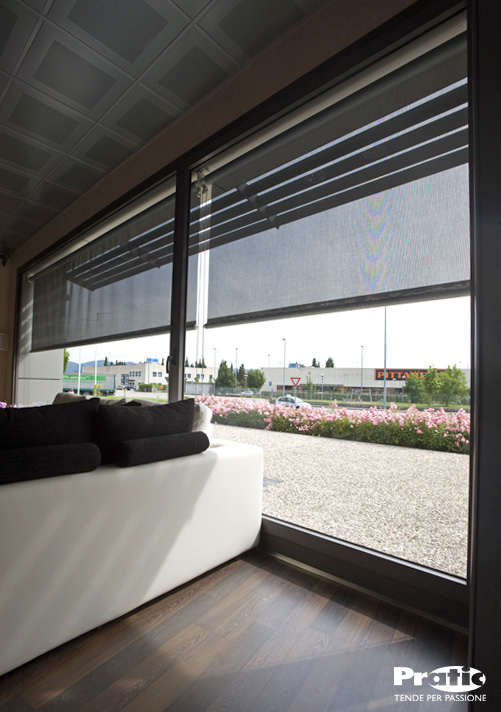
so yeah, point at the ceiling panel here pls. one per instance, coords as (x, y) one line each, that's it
(17, 23)
(140, 114)
(75, 175)
(190, 70)
(85, 83)
(67, 70)
(21, 152)
(37, 115)
(130, 33)
(53, 196)
(104, 148)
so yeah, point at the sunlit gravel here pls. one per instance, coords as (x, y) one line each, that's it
(406, 502)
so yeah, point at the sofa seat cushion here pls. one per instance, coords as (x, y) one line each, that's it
(32, 463)
(159, 447)
(63, 423)
(117, 425)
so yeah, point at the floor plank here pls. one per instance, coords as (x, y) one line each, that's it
(255, 635)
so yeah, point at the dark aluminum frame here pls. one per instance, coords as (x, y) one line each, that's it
(440, 595)
(484, 20)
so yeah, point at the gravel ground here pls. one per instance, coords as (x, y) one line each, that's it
(409, 503)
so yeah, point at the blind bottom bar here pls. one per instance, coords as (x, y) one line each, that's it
(405, 296)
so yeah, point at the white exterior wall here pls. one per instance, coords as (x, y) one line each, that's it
(346, 377)
(39, 375)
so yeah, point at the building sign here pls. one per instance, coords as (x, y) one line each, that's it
(400, 374)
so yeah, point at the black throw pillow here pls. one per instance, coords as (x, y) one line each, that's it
(33, 463)
(159, 447)
(48, 424)
(116, 425)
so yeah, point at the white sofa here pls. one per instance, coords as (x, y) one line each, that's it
(79, 550)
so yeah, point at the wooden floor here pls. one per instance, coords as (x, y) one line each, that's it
(255, 635)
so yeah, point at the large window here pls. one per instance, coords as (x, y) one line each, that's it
(112, 283)
(363, 205)
(356, 201)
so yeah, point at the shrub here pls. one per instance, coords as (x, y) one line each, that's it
(429, 429)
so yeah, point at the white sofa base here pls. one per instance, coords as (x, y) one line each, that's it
(80, 550)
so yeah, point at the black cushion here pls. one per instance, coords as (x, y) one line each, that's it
(48, 424)
(159, 447)
(117, 425)
(32, 463)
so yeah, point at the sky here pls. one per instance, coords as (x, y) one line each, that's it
(418, 335)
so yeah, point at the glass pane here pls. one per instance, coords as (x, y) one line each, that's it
(362, 242)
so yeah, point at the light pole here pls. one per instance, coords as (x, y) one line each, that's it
(236, 366)
(215, 352)
(268, 360)
(322, 377)
(283, 386)
(384, 387)
(362, 374)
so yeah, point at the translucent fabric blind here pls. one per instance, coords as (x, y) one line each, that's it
(365, 202)
(117, 286)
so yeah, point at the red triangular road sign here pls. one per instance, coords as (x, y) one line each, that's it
(295, 380)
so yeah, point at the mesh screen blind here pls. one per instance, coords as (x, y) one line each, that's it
(366, 202)
(117, 286)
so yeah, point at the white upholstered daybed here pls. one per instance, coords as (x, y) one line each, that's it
(79, 550)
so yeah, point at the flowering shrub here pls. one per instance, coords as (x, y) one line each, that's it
(238, 411)
(430, 429)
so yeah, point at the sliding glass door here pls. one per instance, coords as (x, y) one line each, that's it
(334, 261)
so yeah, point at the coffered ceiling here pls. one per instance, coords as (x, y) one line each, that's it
(85, 83)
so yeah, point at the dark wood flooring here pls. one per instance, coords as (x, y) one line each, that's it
(255, 635)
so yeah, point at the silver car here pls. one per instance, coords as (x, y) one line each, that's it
(292, 401)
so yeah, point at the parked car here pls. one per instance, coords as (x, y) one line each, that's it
(246, 393)
(292, 401)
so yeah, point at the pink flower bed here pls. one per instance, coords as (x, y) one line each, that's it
(429, 429)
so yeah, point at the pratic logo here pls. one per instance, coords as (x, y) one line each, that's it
(447, 679)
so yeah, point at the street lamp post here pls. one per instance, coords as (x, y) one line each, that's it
(384, 387)
(283, 386)
(322, 377)
(215, 361)
(236, 366)
(362, 374)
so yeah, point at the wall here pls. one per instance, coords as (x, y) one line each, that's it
(39, 374)
(319, 37)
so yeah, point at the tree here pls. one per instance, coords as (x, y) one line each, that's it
(186, 362)
(200, 364)
(314, 363)
(414, 388)
(163, 361)
(241, 375)
(225, 376)
(452, 384)
(431, 384)
(329, 363)
(105, 363)
(255, 378)
(66, 358)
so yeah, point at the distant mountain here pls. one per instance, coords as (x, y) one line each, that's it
(72, 366)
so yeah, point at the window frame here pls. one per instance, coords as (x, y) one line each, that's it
(433, 593)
